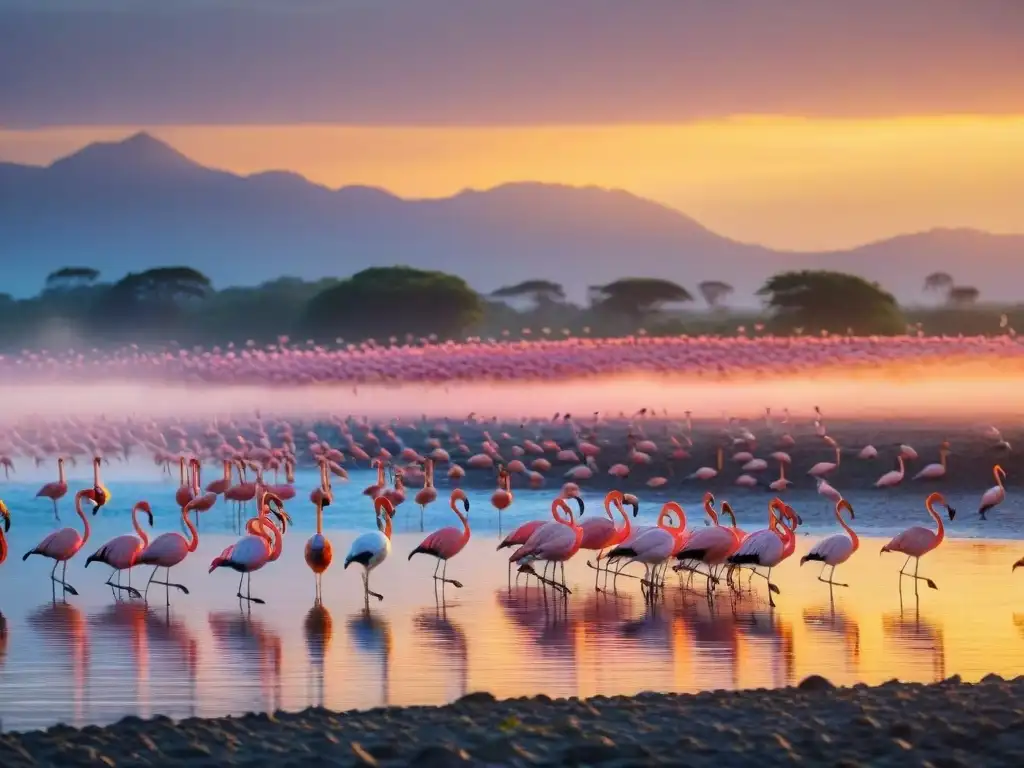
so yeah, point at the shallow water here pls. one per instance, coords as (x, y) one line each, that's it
(94, 660)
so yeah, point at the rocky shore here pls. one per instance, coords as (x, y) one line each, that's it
(944, 725)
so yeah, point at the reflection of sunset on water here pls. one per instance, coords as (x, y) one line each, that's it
(415, 648)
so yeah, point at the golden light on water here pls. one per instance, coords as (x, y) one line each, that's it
(210, 659)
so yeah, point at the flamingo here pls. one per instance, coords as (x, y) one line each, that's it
(56, 490)
(826, 489)
(62, 545)
(6, 515)
(186, 491)
(890, 479)
(995, 495)
(200, 502)
(373, 491)
(501, 499)
(768, 547)
(100, 491)
(428, 493)
(318, 551)
(371, 549)
(650, 546)
(835, 550)
(522, 534)
(601, 533)
(781, 483)
(917, 541)
(711, 546)
(223, 483)
(255, 550)
(935, 471)
(553, 543)
(121, 552)
(823, 468)
(168, 550)
(709, 473)
(446, 543)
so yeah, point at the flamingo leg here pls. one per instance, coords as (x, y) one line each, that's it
(597, 572)
(925, 579)
(56, 512)
(63, 579)
(132, 592)
(370, 591)
(167, 583)
(831, 576)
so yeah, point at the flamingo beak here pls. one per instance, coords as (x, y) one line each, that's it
(150, 515)
(6, 516)
(583, 506)
(465, 505)
(636, 508)
(952, 512)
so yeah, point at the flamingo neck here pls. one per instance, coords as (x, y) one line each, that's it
(320, 515)
(3, 545)
(846, 527)
(81, 513)
(899, 460)
(838, 456)
(278, 538)
(608, 501)
(227, 472)
(60, 472)
(710, 510)
(942, 460)
(138, 528)
(181, 472)
(671, 508)
(463, 519)
(387, 525)
(998, 474)
(193, 533)
(720, 455)
(627, 526)
(940, 534)
(782, 470)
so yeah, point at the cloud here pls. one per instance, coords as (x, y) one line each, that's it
(523, 62)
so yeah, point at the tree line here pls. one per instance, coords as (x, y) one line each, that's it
(175, 303)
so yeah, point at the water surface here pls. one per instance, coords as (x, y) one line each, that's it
(95, 659)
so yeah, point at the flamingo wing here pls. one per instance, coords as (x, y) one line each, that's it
(597, 532)
(992, 498)
(62, 543)
(914, 541)
(833, 550)
(167, 550)
(707, 541)
(442, 543)
(759, 548)
(366, 548)
(932, 471)
(522, 534)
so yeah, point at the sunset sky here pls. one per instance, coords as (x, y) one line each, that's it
(805, 124)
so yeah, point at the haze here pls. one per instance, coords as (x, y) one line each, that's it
(967, 391)
(802, 125)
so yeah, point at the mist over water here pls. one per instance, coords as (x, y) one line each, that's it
(942, 392)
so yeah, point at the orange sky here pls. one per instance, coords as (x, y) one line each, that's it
(802, 183)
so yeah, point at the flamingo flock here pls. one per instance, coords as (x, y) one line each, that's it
(546, 355)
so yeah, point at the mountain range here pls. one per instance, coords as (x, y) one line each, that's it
(138, 203)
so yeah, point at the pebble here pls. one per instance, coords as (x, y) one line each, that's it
(940, 725)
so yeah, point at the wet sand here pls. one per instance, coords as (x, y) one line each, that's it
(947, 724)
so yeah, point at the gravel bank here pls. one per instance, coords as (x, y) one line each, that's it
(944, 725)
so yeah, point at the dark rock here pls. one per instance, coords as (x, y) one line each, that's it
(477, 697)
(439, 757)
(992, 678)
(815, 683)
(901, 730)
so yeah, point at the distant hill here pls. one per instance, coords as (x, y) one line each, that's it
(139, 203)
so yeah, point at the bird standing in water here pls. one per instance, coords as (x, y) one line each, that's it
(446, 543)
(318, 552)
(372, 548)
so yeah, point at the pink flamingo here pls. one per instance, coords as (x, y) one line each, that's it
(710, 546)
(522, 534)
(168, 550)
(501, 499)
(446, 543)
(917, 541)
(835, 550)
(739, 532)
(553, 543)
(200, 502)
(223, 483)
(995, 495)
(935, 471)
(428, 493)
(893, 478)
(319, 553)
(600, 533)
(252, 552)
(6, 515)
(56, 490)
(121, 552)
(64, 544)
(768, 547)
(650, 546)
(186, 491)
(373, 491)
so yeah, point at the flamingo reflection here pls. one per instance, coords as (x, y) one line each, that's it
(829, 621)
(767, 631)
(371, 635)
(318, 631)
(916, 638)
(168, 631)
(62, 629)
(707, 632)
(447, 639)
(119, 630)
(256, 651)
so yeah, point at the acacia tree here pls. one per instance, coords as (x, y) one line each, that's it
(541, 293)
(938, 282)
(70, 278)
(821, 300)
(714, 292)
(962, 296)
(153, 299)
(391, 301)
(638, 297)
